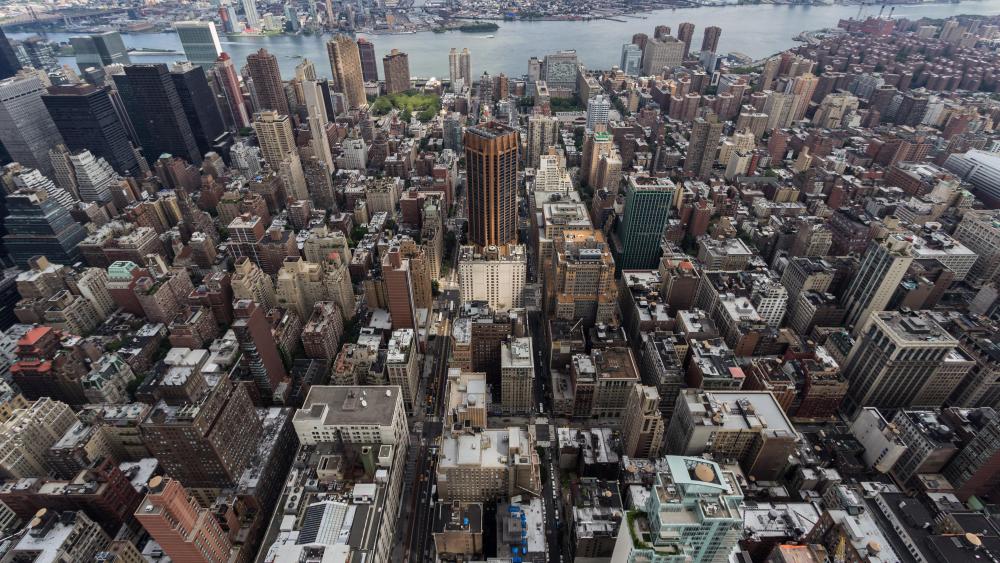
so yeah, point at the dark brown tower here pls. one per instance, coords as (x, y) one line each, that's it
(491, 167)
(685, 32)
(266, 75)
(711, 40)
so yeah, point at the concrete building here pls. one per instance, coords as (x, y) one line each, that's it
(487, 465)
(458, 530)
(396, 65)
(903, 360)
(881, 440)
(498, 278)
(517, 377)
(345, 65)
(749, 426)
(28, 434)
(643, 427)
(185, 530)
(691, 514)
(200, 42)
(980, 232)
(322, 333)
(26, 128)
(366, 414)
(274, 133)
(401, 365)
(583, 284)
(882, 268)
(664, 52)
(68, 536)
(930, 444)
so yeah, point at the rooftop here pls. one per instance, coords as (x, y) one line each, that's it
(340, 405)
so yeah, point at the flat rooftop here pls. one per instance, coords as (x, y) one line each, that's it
(340, 405)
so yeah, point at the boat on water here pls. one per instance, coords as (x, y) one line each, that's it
(490, 36)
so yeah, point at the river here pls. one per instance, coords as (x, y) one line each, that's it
(756, 31)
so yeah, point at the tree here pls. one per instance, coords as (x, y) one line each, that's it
(435, 288)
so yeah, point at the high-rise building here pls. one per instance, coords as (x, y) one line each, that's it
(666, 52)
(26, 129)
(583, 271)
(680, 524)
(975, 469)
(980, 232)
(631, 62)
(94, 177)
(157, 113)
(685, 33)
(882, 268)
(345, 65)
(643, 427)
(598, 109)
(61, 536)
(29, 433)
(38, 226)
(517, 376)
(560, 70)
(901, 360)
(369, 64)
(274, 133)
(184, 530)
(99, 50)
(710, 41)
(396, 65)
(647, 207)
(491, 165)
(252, 16)
(9, 65)
(266, 75)
(200, 42)
(543, 131)
(401, 365)
(205, 441)
(260, 353)
(87, 119)
(496, 277)
(460, 67)
(199, 104)
(224, 73)
(703, 146)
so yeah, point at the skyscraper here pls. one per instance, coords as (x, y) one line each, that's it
(882, 268)
(274, 133)
(38, 226)
(647, 207)
(703, 146)
(491, 165)
(460, 66)
(253, 18)
(667, 52)
(86, 119)
(260, 353)
(199, 105)
(185, 530)
(9, 65)
(26, 129)
(643, 427)
(369, 64)
(224, 72)
(345, 65)
(157, 113)
(396, 65)
(598, 108)
(94, 177)
(631, 63)
(263, 69)
(685, 33)
(710, 42)
(543, 132)
(99, 50)
(897, 359)
(200, 42)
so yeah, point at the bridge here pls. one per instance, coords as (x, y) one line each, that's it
(65, 15)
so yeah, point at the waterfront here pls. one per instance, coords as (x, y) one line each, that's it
(756, 31)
